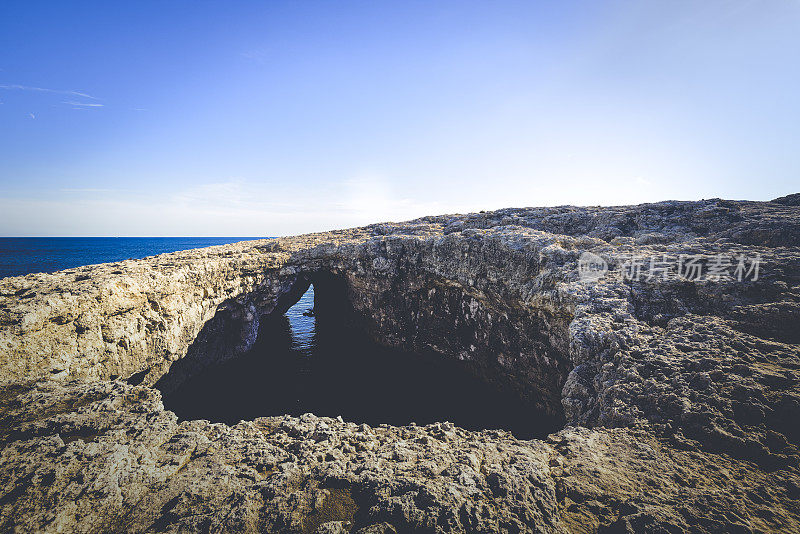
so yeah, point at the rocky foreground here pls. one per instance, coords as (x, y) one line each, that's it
(678, 385)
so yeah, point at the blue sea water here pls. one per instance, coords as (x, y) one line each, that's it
(24, 255)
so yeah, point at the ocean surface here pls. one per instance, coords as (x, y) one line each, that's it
(24, 255)
(301, 363)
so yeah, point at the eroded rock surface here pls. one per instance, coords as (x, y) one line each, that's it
(680, 396)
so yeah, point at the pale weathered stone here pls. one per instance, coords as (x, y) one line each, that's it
(681, 397)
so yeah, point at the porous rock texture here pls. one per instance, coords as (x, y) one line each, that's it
(679, 397)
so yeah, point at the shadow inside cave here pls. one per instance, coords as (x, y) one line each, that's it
(314, 358)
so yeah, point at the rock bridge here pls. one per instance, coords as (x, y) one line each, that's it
(485, 297)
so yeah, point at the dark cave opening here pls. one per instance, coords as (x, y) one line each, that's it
(313, 355)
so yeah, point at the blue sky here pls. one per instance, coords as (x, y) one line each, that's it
(275, 118)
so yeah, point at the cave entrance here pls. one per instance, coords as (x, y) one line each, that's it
(314, 357)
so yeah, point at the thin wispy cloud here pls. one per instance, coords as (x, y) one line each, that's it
(232, 207)
(76, 100)
(46, 90)
(84, 104)
(258, 55)
(90, 190)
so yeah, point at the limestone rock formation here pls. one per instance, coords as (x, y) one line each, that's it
(679, 394)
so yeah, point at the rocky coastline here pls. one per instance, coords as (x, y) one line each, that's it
(679, 394)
